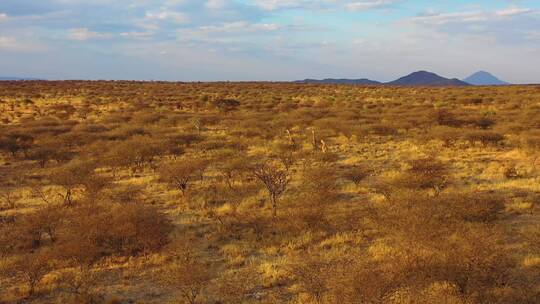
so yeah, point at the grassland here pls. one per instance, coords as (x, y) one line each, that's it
(150, 192)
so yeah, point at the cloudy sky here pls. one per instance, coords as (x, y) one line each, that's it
(268, 39)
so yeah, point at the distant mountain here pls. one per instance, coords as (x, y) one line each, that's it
(16, 78)
(484, 78)
(424, 78)
(362, 81)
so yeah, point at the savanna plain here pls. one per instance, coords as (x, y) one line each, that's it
(156, 192)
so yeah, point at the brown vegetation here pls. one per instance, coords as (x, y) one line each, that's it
(151, 192)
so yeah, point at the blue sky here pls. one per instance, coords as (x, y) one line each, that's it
(268, 39)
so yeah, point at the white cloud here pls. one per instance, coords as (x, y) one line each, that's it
(351, 5)
(434, 18)
(444, 18)
(367, 5)
(136, 35)
(84, 34)
(271, 5)
(513, 11)
(168, 15)
(229, 28)
(3, 17)
(215, 4)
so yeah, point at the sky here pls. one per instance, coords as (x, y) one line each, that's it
(213, 40)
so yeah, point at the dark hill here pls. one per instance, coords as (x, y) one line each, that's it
(424, 78)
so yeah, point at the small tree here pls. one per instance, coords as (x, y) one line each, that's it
(78, 283)
(12, 182)
(275, 178)
(31, 268)
(426, 173)
(531, 143)
(319, 182)
(226, 105)
(15, 142)
(237, 285)
(135, 153)
(357, 173)
(232, 171)
(97, 230)
(49, 150)
(189, 276)
(36, 227)
(312, 275)
(72, 175)
(181, 172)
(197, 124)
(8, 197)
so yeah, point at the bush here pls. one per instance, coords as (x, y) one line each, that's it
(450, 238)
(182, 172)
(445, 118)
(135, 153)
(226, 105)
(484, 137)
(320, 183)
(484, 122)
(15, 141)
(475, 206)
(189, 276)
(448, 135)
(382, 129)
(31, 268)
(357, 173)
(97, 231)
(426, 173)
(75, 174)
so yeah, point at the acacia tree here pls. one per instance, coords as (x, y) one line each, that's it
(134, 153)
(276, 178)
(226, 104)
(313, 275)
(189, 276)
(31, 268)
(15, 141)
(181, 172)
(12, 182)
(32, 229)
(232, 170)
(8, 198)
(71, 176)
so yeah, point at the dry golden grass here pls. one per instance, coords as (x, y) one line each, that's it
(148, 192)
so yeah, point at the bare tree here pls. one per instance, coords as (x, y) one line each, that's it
(10, 187)
(31, 268)
(8, 197)
(357, 173)
(233, 170)
(276, 178)
(312, 275)
(181, 172)
(71, 176)
(531, 143)
(16, 141)
(189, 276)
